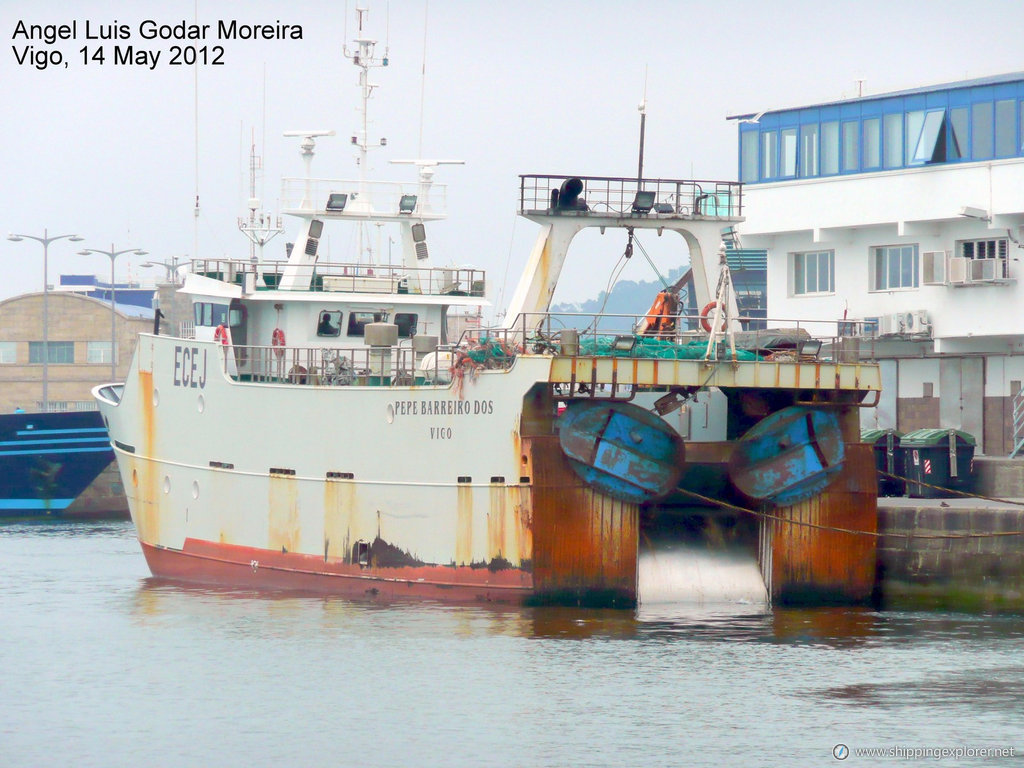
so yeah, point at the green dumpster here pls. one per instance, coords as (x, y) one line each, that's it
(937, 461)
(888, 460)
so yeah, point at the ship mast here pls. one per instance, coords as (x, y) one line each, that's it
(363, 56)
(260, 227)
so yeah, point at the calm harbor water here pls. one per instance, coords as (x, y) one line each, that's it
(101, 665)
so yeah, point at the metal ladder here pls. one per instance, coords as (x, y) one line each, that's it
(1018, 423)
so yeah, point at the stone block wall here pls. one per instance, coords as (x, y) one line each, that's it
(998, 426)
(917, 413)
(999, 478)
(925, 559)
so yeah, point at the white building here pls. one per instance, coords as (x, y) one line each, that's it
(905, 211)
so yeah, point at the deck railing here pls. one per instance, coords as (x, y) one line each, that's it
(620, 196)
(349, 277)
(561, 334)
(786, 338)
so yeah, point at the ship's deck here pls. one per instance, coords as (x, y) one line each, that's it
(813, 375)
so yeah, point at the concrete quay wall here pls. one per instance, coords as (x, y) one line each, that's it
(951, 554)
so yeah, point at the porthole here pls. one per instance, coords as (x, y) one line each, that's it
(167, 484)
(156, 397)
(195, 489)
(201, 404)
(390, 414)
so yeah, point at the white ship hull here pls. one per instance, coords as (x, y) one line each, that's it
(431, 487)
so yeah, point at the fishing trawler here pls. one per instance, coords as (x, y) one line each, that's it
(316, 427)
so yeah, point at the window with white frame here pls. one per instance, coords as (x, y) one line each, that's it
(8, 352)
(98, 352)
(995, 248)
(59, 352)
(813, 272)
(894, 267)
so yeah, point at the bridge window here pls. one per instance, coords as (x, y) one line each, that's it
(329, 323)
(209, 314)
(357, 321)
(894, 267)
(406, 322)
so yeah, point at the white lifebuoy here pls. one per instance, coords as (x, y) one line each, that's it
(704, 322)
(221, 335)
(277, 341)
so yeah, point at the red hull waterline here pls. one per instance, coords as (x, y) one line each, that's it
(247, 567)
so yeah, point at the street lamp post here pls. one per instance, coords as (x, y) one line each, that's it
(45, 240)
(171, 266)
(112, 254)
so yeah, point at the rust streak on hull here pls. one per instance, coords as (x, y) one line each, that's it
(812, 565)
(584, 543)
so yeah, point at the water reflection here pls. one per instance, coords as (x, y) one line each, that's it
(59, 527)
(158, 599)
(992, 689)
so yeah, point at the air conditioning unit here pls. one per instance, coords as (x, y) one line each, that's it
(888, 325)
(916, 323)
(987, 269)
(958, 270)
(933, 265)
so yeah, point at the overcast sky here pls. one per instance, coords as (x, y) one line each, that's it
(109, 152)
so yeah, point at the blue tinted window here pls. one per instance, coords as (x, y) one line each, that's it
(893, 139)
(851, 153)
(872, 143)
(981, 131)
(748, 156)
(829, 148)
(809, 150)
(1006, 128)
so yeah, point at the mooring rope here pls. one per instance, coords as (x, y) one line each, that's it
(818, 526)
(1010, 502)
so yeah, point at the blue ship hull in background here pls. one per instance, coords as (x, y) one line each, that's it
(49, 460)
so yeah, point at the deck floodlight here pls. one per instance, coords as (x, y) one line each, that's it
(336, 201)
(810, 348)
(664, 208)
(419, 233)
(624, 343)
(407, 204)
(643, 202)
